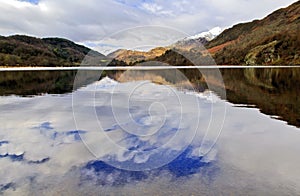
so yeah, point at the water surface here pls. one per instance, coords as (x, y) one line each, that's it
(149, 133)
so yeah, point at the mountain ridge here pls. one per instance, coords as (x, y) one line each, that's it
(23, 50)
(273, 40)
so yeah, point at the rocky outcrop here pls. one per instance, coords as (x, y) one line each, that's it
(267, 53)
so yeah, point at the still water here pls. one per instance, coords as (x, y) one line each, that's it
(155, 132)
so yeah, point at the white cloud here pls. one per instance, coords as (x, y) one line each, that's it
(90, 21)
(253, 149)
(139, 38)
(156, 9)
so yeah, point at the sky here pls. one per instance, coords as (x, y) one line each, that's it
(103, 24)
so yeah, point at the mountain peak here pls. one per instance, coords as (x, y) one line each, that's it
(208, 35)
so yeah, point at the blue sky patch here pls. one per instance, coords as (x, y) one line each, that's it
(39, 161)
(4, 187)
(76, 134)
(104, 171)
(31, 1)
(13, 157)
(104, 174)
(184, 165)
(3, 142)
(47, 130)
(46, 125)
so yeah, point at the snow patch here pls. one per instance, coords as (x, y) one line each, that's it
(209, 35)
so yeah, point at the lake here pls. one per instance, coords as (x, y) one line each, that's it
(195, 131)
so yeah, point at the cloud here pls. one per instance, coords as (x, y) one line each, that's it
(156, 9)
(253, 149)
(90, 21)
(139, 38)
(37, 141)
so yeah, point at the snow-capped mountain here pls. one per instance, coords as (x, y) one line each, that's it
(194, 43)
(209, 35)
(197, 41)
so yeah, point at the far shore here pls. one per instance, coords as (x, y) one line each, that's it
(58, 68)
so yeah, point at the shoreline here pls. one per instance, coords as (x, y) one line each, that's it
(87, 68)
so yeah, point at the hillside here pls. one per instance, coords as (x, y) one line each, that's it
(21, 50)
(273, 40)
(131, 56)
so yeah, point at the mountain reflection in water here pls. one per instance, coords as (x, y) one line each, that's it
(275, 91)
